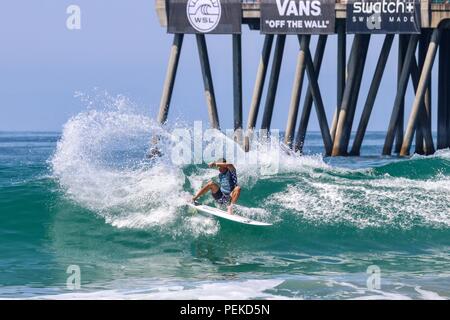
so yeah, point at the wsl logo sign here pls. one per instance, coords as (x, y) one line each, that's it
(297, 16)
(204, 15)
(385, 16)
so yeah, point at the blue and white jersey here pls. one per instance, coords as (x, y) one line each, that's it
(228, 181)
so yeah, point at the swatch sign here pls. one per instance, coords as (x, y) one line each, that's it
(383, 16)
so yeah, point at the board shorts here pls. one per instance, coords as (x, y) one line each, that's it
(222, 198)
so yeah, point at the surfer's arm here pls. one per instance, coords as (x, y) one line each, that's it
(229, 166)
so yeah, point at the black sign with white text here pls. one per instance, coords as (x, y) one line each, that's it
(204, 16)
(383, 16)
(297, 16)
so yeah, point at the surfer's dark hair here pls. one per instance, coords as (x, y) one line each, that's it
(222, 160)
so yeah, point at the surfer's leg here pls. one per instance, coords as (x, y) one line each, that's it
(235, 194)
(209, 186)
(234, 198)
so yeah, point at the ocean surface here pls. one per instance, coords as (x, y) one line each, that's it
(89, 197)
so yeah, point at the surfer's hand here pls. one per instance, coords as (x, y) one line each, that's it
(212, 164)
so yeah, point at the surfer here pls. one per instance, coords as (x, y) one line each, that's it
(227, 192)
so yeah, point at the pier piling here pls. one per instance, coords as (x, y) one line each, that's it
(354, 101)
(317, 97)
(170, 77)
(307, 105)
(420, 148)
(351, 92)
(443, 139)
(426, 118)
(400, 126)
(258, 89)
(295, 97)
(421, 90)
(349, 85)
(371, 96)
(273, 82)
(401, 90)
(237, 87)
(208, 82)
(424, 145)
(341, 74)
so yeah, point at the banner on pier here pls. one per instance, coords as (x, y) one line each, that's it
(298, 16)
(383, 16)
(204, 16)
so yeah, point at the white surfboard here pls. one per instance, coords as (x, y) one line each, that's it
(223, 214)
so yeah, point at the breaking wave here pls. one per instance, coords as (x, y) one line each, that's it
(101, 164)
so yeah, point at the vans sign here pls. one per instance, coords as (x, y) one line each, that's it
(297, 16)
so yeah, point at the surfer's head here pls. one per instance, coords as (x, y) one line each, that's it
(221, 169)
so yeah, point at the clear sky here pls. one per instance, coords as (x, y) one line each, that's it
(122, 49)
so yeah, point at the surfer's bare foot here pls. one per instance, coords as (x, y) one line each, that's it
(230, 209)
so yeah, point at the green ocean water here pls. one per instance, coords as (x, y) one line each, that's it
(88, 196)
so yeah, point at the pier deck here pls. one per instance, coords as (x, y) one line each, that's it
(432, 12)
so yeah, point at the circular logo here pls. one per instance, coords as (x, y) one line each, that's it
(204, 15)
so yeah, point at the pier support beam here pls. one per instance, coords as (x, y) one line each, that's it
(373, 90)
(428, 136)
(258, 89)
(400, 96)
(443, 127)
(208, 82)
(296, 93)
(415, 74)
(422, 88)
(170, 77)
(237, 86)
(317, 97)
(349, 101)
(402, 46)
(424, 146)
(273, 82)
(341, 74)
(420, 122)
(354, 101)
(307, 105)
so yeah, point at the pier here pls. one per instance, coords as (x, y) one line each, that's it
(423, 43)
